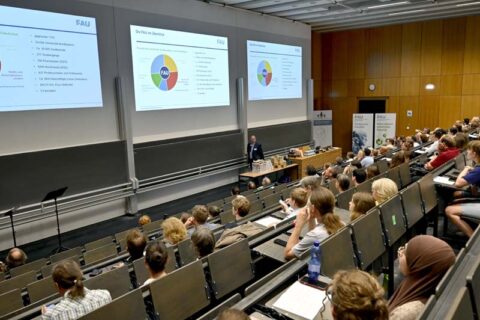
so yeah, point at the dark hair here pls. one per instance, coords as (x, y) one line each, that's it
(68, 276)
(311, 171)
(397, 159)
(460, 141)
(360, 175)
(16, 257)
(203, 241)
(214, 211)
(350, 155)
(343, 182)
(235, 190)
(438, 133)
(339, 161)
(367, 151)
(251, 185)
(453, 130)
(356, 163)
(466, 121)
(372, 171)
(156, 256)
(448, 141)
(136, 242)
(200, 213)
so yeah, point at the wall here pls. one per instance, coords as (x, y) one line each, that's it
(400, 60)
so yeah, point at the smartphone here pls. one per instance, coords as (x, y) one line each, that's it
(316, 284)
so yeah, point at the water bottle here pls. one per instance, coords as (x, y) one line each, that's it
(314, 263)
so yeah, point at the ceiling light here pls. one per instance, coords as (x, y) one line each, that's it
(387, 5)
(429, 86)
(405, 12)
(468, 4)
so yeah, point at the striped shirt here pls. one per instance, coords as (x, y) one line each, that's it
(73, 308)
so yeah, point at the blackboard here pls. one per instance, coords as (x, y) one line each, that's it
(283, 135)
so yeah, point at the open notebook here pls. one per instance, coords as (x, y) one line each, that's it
(301, 300)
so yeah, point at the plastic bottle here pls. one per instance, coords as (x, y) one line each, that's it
(314, 263)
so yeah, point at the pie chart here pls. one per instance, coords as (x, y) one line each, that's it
(264, 73)
(164, 72)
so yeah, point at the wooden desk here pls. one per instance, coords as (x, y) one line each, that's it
(317, 160)
(293, 168)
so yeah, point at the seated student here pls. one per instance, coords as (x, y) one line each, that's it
(235, 190)
(436, 136)
(145, 219)
(266, 182)
(311, 171)
(214, 211)
(251, 185)
(203, 241)
(240, 209)
(461, 141)
(77, 300)
(156, 256)
(424, 260)
(368, 159)
(342, 183)
(232, 314)
(372, 171)
(328, 174)
(360, 204)
(16, 257)
(174, 230)
(397, 159)
(298, 200)
(350, 156)
(136, 243)
(468, 176)
(383, 189)
(319, 210)
(310, 183)
(184, 216)
(199, 218)
(447, 149)
(356, 295)
(359, 176)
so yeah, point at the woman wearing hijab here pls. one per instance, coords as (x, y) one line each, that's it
(423, 261)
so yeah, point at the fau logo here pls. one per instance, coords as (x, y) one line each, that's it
(83, 23)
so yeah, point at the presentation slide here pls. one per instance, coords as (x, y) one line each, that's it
(173, 69)
(274, 71)
(48, 61)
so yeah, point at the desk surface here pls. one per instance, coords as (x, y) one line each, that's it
(253, 175)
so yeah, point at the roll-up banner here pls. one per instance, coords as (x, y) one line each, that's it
(322, 128)
(362, 131)
(385, 125)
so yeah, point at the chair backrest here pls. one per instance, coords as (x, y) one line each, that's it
(256, 207)
(221, 202)
(343, 199)
(337, 253)
(394, 174)
(122, 243)
(428, 192)
(382, 165)
(247, 192)
(41, 289)
(405, 177)
(32, 266)
(227, 207)
(116, 281)
(368, 238)
(445, 281)
(172, 260)
(227, 217)
(169, 293)
(152, 227)
(461, 306)
(186, 252)
(2, 276)
(129, 306)
(99, 254)
(66, 254)
(18, 282)
(119, 236)
(365, 186)
(473, 284)
(230, 268)
(332, 186)
(98, 243)
(393, 221)
(460, 161)
(286, 193)
(428, 308)
(412, 204)
(10, 301)
(272, 200)
(48, 269)
(280, 187)
(252, 197)
(213, 313)
(264, 193)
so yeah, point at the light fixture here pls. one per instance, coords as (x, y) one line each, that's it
(429, 86)
(468, 4)
(405, 12)
(387, 5)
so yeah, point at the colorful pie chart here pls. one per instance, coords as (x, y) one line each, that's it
(164, 72)
(264, 73)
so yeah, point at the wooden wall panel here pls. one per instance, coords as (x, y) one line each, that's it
(435, 80)
(356, 54)
(428, 107)
(470, 106)
(405, 125)
(451, 85)
(373, 53)
(472, 45)
(450, 110)
(391, 87)
(326, 48)
(317, 69)
(409, 86)
(339, 56)
(471, 84)
(411, 49)
(355, 87)
(432, 47)
(453, 46)
(392, 51)
(339, 88)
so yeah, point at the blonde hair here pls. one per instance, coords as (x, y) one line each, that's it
(324, 201)
(174, 230)
(356, 295)
(383, 189)
(362, 202)
(145, 219)
(474, 146)
(241, 205)
(300, 196)
(200, 213)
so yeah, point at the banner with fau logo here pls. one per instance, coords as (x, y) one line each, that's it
(322, 128)
(385, 125)
(362, 131)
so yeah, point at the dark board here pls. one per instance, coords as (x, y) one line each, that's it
(161, 157)
(283, 135)
(26, 178)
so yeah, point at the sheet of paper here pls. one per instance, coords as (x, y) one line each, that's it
(444, 180)
(268, 221)
(301, 300)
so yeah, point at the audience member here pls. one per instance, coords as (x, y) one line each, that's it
(452, 131)
(383, 189)
(240, 209)
(143, 220)
(319, 210)
(338, 161)
(368, 159)
(174, 230)
(311, 171)
(310, 183)
(356, 295)
(359, 176)
(461, 141)
(77, 300)
(350, 156)
(203, 241)
(397, 159)
(156, 256)
(199, 218)
(342, 183)
(136, 243)
(298, 200)
(468, 176)
(372, 171)
(251, 185)
(266, 182)
(235, 190)
(447, 149)
(214, 211)
(437, 134)
(16, 257)
(424, 260)
(328, 174)
(232, 314)
(360, 204)
(184, 216)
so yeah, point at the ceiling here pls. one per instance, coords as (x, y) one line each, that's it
(332, 15)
